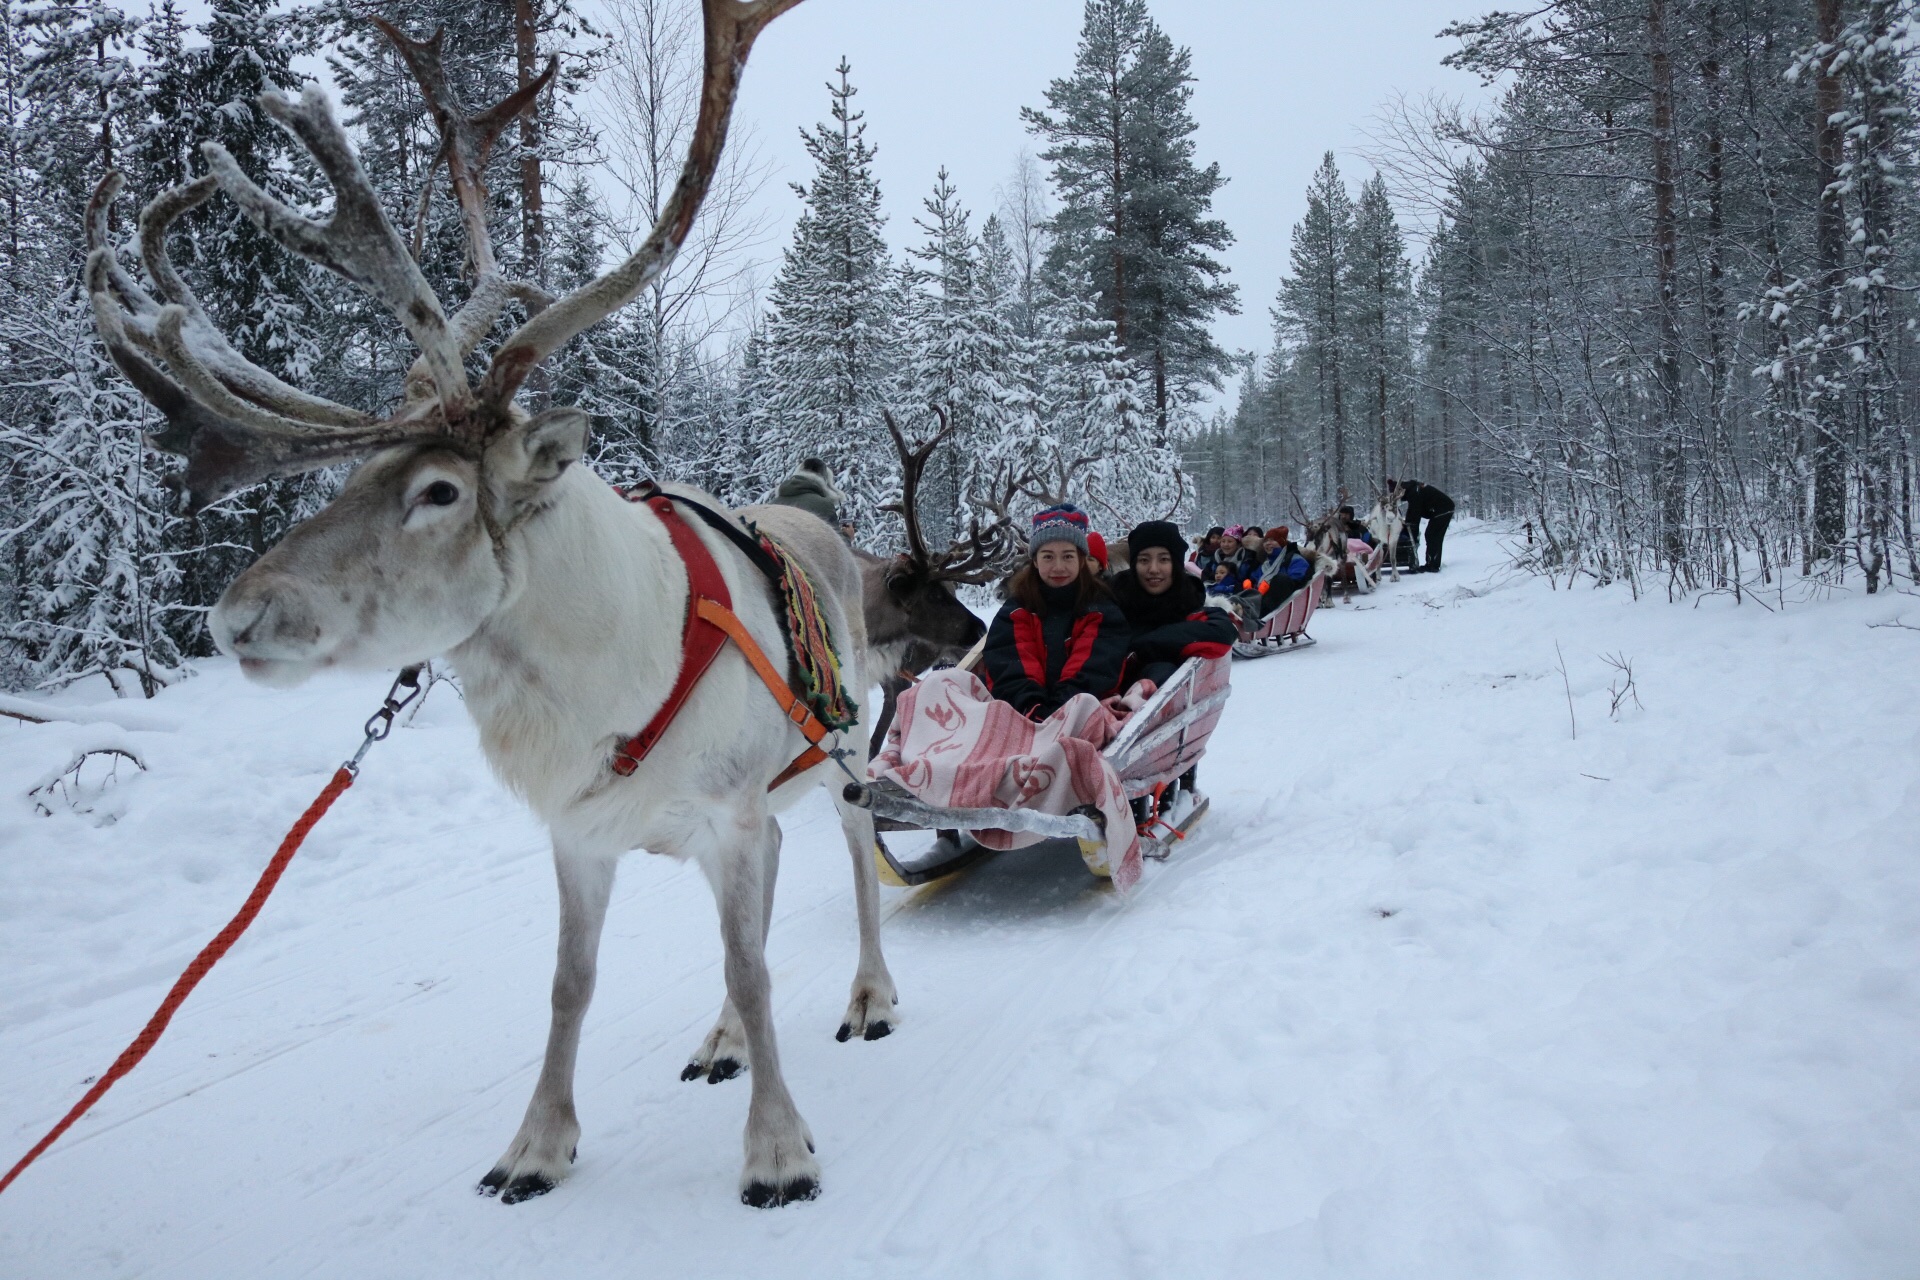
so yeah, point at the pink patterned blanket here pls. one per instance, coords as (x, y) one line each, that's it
(951, 744)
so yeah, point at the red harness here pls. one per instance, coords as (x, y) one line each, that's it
(710, 623)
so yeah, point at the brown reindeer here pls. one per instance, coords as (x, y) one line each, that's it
(469, 533)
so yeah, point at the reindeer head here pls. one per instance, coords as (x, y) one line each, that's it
(414, 553)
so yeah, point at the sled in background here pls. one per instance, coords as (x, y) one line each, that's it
(1285, 629)
(1154, 755)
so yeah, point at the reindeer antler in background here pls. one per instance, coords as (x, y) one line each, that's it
(237, 424)
(983, 555)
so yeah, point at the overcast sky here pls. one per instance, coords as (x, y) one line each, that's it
(942, 82)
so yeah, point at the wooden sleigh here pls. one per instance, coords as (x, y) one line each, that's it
(1154, 755)
(1285, 629)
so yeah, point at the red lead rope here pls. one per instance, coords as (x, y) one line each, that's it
(209, 956)
(377, 728)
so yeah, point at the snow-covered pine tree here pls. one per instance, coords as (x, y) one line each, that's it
(959, 355)
(1313, 316)
(831, 329)
(1877, 167)
(1380, 289)
(82, 95)
(1096, 444)
(96, 589)
(259, 295)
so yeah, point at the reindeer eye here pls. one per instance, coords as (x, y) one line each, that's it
(441, 493)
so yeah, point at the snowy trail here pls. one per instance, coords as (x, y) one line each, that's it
(1439, 990)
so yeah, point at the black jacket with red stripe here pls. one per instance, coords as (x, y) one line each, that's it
(1038, 661)
(1171, 627)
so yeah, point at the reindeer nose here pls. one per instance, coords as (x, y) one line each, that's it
(265, 617)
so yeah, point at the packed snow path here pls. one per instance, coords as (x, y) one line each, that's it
(1439, 990)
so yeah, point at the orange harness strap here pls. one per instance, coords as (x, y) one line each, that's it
(798, 713)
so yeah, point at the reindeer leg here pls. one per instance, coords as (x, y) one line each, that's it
(780, 1167)
(723, 1054)
(890, 690)
(541, 1154)
(870, 1009)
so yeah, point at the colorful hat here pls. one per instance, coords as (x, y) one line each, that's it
(1064, 523)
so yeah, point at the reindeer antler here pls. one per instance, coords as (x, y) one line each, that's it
(238, 424)
(913, 464)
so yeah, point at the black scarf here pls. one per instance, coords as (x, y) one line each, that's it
(1144, 612)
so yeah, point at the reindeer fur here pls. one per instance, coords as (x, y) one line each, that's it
(567, 638)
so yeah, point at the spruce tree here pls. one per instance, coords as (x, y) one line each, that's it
(95, 588)
(1313, 316)
(958, 345)
(1380, 289)
(830, 333)
(1134, 216)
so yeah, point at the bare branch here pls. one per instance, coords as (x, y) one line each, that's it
(731, 27)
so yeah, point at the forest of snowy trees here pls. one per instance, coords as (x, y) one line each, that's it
(1665, 313)
(1056, 387)
(1657, 302)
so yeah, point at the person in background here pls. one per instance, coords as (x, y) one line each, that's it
(1283, 571)
(1353, 530)
(1097, 550)
(1208, 553)
(1223, 584)
(1253, 553)
(1059, 633)
(811, 489)
(1231, 554)
(1166, 608)
(1424, 502)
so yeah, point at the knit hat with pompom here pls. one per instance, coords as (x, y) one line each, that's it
(1064, 523)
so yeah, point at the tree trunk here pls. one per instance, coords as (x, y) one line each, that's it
(1116, 113)
(1829, 417)
(533, 221)
(1719, 452)
(1670, 458)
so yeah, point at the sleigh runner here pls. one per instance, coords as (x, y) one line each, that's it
(1154, 756)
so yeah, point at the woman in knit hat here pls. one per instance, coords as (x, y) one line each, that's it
(1059, 633)
(1165, 606)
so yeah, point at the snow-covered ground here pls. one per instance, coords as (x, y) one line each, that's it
(1440, 990)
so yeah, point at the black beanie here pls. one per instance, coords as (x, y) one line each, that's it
(1156, 533)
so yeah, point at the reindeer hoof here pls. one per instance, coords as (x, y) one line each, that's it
(514, 1190)
(722, 1069)
(526, 1187)
(764, 1195)
(870, 1014)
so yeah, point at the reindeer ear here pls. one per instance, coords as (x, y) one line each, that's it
(553, 441)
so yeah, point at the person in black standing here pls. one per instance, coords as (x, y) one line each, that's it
(1424, 502)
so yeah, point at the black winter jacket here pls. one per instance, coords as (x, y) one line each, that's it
(1171, 627)
(1038, 661)
(1424, 502)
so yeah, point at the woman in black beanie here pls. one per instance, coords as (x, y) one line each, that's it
(1166, 606)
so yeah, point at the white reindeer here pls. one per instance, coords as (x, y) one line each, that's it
(1385, 523)
(470, 533)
